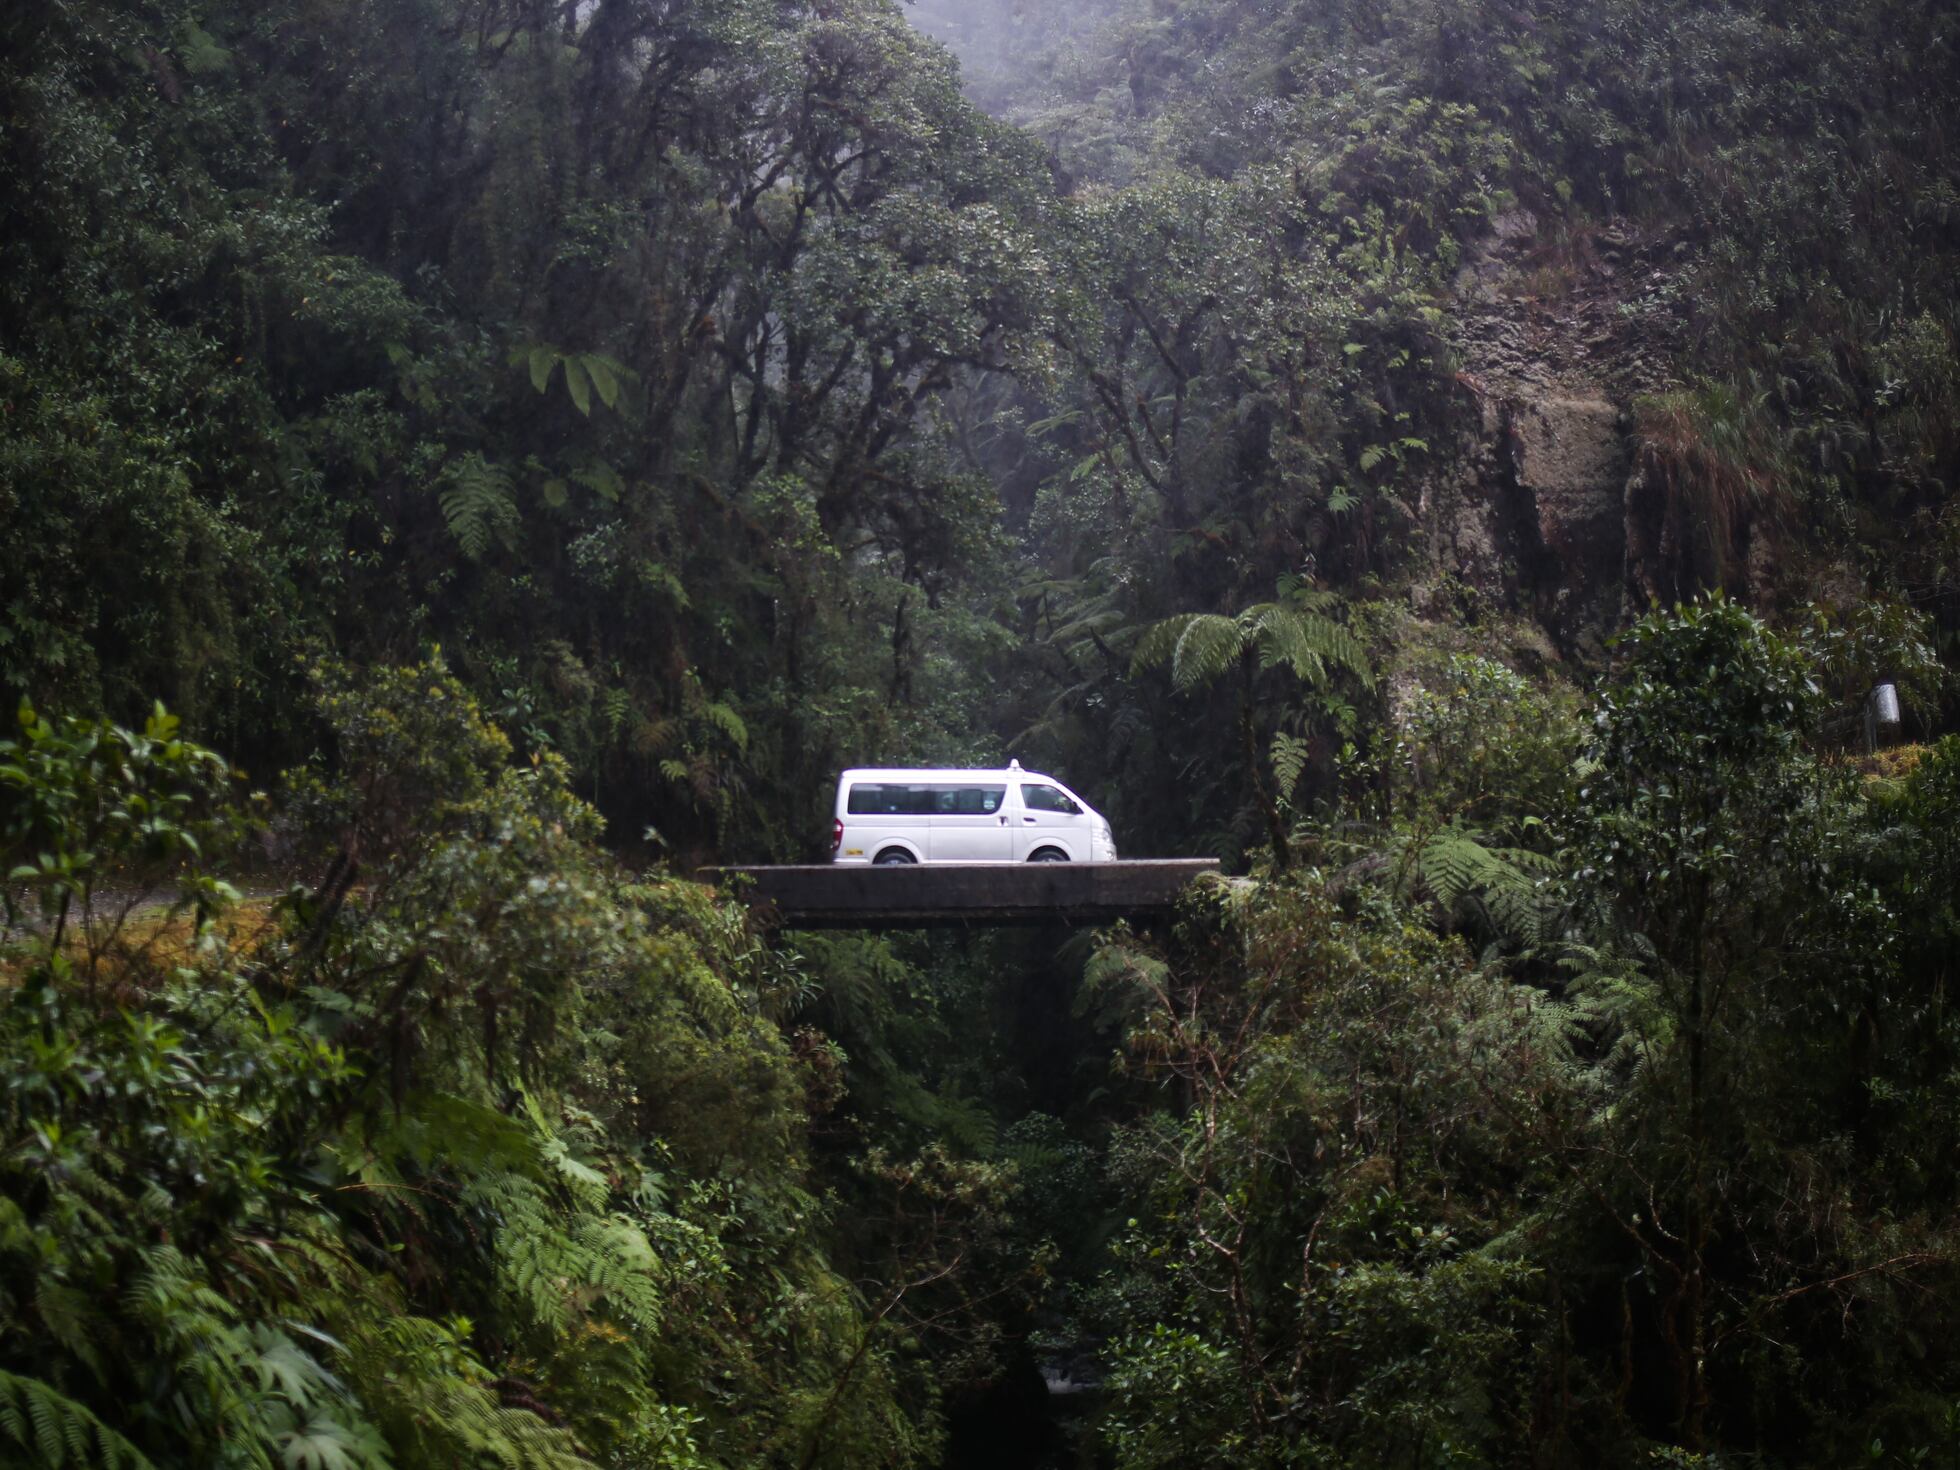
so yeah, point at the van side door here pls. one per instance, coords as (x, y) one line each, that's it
(1049, 817)
(970, 822)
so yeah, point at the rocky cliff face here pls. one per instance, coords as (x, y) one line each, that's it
(1544, 509)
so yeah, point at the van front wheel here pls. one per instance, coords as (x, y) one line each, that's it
(1048, 855)
(893, 857)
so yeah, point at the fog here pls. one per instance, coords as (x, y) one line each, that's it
(1012, 52)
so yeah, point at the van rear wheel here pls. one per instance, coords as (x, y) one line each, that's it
(893, 857)
(1048, 855)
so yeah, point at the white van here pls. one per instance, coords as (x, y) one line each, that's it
(1010, 816)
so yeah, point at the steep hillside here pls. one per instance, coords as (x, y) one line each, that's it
(1652, 366)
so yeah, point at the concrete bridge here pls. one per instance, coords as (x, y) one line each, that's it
(932, 895)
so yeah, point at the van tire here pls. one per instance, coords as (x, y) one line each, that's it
(893, 857)
(1048, 855)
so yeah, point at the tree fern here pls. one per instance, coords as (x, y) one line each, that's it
(71, 1317)
(1118, 982)
(1197, 646)
(1611, 988)
(1292, 634)
(1307, 643)
(1201, 646)
(601, 479)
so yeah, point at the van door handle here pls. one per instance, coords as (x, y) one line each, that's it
(1003, 819)
(1030, 819)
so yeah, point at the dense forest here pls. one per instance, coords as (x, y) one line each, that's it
(471, 465)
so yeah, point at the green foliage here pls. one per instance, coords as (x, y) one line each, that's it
(484, 1159)
(1176, 1405)
(733, 402)
(1455, 869)
(57, 1431)
(1199, 647)
(1701, 698)
(1330, 1295)
(1478, 743)
(1731, 873)
(84, 800)
(584, 373)
(1710, 460)
(105, 521)
(1667, 1126)
(478, 504)
(1294, 635)
(244, 429)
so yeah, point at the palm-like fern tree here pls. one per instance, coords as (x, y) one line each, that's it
(1294, 632)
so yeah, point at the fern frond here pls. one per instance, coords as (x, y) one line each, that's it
(724, 719)
(471, 1137)
(1201, 646)
(601, 479)
(1205, 649)
(1159, 642)
(1289, 761)
(1117, 964)
(619, 1263)
(1031, 1158)
(71, 1319)
(56, 1432)
(1453, 866)
(478, 504)
(431, 1396)
(1307, 643)
(1094, 620)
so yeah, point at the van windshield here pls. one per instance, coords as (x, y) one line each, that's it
(939, 798)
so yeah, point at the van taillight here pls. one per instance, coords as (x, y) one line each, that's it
(836, 835)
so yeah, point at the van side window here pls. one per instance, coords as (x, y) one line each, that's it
(890, 801)
(877, 800)
(969, 801)
(1048, 799)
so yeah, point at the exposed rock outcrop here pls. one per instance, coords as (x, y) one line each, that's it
(1541, 510)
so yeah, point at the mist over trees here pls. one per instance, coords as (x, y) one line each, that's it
(469, 464)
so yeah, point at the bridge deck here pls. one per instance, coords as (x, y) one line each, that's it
(917, 896)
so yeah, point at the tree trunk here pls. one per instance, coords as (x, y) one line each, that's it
(1262, 793)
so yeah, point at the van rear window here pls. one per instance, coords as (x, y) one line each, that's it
(869, 800)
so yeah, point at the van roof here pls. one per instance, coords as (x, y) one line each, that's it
(937, 773)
